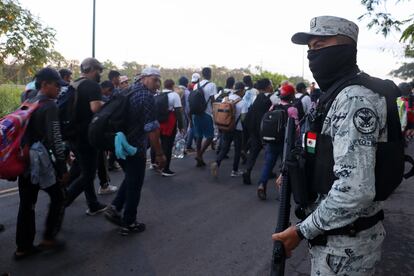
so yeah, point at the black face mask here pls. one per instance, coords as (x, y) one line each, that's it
(332, 63)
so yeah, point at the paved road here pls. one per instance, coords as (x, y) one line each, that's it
(196, 225)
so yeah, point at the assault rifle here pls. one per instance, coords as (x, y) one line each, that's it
(279, 254)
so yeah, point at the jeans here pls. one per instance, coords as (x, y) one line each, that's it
(190, 137)
(26, 224)
(86, 157)
(129, 192)
(256, 146)
(271, 154)
(228, 137)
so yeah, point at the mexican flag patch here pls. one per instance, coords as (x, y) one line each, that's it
(311, 142)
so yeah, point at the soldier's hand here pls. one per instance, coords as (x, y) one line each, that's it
(290, 239)
(160, 160)
(279, 182)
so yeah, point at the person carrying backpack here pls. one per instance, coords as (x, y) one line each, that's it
(218, 98)
(233, 133)
(271, 124)
(89, 101)
(170, 116)
(252, 123)
(43, 137)
(202, 113)
(143, 127)
(354, 156)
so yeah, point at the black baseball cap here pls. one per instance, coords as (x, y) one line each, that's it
(49, 74)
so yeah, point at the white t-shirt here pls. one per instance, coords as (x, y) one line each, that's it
(209, 90)
(174, 100)
(240, 109)
(306, 102)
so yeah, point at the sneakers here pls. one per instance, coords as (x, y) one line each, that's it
(99, 208)
(153, 166)
(107, 189)
(113, 216)
(236, 173)
(135, 227)
(246, 178)
(261, 192)
(214, 169)
(167, 173)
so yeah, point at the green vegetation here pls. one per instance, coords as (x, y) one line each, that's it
(10, 98)
(25, 42)
(385, 23)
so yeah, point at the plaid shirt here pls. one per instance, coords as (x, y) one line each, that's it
(141, 116)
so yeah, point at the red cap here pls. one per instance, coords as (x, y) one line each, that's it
(287, 90)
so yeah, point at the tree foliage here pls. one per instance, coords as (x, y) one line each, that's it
(23, 39)
(385, 23)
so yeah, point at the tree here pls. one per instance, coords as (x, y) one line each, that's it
(23, 39)
(385, 23)
(276, 78)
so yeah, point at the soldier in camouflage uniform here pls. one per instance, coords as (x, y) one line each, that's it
(355, 122)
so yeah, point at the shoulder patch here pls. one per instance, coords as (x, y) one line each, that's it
(365, 120)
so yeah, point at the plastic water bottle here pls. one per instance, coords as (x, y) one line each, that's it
(179, 147)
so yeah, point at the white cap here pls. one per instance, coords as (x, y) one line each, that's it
(195, 77)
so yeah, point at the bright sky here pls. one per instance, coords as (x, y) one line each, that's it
(196, 33)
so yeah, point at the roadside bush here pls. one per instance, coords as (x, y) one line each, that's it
(9, 98)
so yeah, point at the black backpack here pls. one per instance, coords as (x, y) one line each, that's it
(257, 110)
(273, 126)
(111, 119)
(197, 101)
(390, 157)
(161, 105)
(67, 103)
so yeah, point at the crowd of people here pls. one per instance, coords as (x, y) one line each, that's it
(159, 113)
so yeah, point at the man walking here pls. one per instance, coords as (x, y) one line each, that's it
(203, 126)
(89, 102)
(143, 123)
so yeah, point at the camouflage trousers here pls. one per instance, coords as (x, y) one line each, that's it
(324, 264)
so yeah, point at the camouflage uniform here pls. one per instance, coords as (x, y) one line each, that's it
(356, 122)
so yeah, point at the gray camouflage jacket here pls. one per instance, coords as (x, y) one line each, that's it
(356, 122)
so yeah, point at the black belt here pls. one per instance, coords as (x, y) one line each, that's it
(350, 230)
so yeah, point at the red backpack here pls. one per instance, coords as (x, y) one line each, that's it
(14, 157)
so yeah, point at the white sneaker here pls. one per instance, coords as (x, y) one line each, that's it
(214, 169)
(153, 166)
(110, 189)
(236, 173)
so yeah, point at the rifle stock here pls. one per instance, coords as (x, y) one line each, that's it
(279, 254)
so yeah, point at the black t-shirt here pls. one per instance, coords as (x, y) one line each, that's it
(44, 127)
(88, 91)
